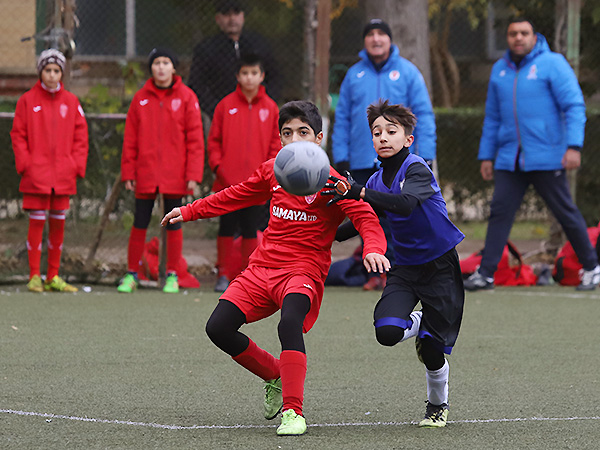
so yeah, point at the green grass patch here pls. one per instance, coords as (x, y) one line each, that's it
(132, 371)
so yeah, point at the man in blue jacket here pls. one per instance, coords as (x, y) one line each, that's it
(532, 133)
(380, 74)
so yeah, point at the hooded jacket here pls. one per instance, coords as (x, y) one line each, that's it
(537, 107)
(50, 141)
(163, 146)
(242, 136)
(398, 81)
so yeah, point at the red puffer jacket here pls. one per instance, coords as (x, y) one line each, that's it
(50, 141)
(163, 147)
(242, 136)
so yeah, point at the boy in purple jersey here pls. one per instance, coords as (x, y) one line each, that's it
(423, 237)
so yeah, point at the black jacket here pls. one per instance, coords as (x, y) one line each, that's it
(213, 70)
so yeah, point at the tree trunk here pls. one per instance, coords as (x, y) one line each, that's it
(410, 29)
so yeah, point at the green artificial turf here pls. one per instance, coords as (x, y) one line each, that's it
(103, 370)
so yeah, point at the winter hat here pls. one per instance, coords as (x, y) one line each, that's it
(51, 56)
(224, 6)
(379, 25)
(162, 51)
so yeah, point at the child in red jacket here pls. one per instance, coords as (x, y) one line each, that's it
(50, 142)
(163, 152)
(244, 134)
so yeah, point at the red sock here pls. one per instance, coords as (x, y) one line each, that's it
(56, 235)
(37, 219)
(258, 361)
(293, 373)
(174, 247)
(137, 240)
(224, 251)
(248, 246)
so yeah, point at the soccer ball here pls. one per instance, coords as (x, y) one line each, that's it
(302, 168)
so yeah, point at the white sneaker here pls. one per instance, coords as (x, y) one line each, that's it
(589, 279)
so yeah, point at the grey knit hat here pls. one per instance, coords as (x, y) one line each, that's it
(51, 56)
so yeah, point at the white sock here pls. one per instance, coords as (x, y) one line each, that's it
(437, 384)
(416, 324)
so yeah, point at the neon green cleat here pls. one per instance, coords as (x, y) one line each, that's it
(292, 424)
(57, 284)
(35, 284)
(273, 398)
(128, 284)
(435, 416)
(171, 284)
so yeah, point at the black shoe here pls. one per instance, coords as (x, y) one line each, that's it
(478, 282)
(435, 416)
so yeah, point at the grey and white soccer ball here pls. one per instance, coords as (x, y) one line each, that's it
(302, 168)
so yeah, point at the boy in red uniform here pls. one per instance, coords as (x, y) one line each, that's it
(163, 151)
(286, 272)
(50, 141)
(243, 135)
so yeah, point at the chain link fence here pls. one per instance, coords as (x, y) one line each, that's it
(108, 42)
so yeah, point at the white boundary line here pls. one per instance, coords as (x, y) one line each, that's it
(50, 416)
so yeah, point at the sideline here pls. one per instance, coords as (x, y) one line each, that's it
(50, 416)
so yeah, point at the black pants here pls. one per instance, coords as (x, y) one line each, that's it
(553, 187)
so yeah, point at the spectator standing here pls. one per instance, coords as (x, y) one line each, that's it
(380, 74)
(243, 135)
(532, 133)
(50, 142)
(163, 152)
(215, 60)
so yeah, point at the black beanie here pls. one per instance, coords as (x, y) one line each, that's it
(162, 51)
(379, 25)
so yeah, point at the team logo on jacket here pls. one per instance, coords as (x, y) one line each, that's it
(360, 74)
(63, 110)
(175, 104)
(232, 111)
(532, 75)
(37, 108)
(502, 73)
(144, 102)
(394, 75)
(263, 114)
(310, 198)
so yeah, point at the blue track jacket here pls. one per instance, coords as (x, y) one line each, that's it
(538, 107)
(398, 81)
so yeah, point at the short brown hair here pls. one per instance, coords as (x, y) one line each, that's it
(399, 114)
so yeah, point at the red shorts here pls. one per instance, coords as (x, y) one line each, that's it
(46, 202)
(259, 293)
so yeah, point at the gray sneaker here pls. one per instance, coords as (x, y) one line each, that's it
(589, 279)
(222, 284)
(478, 282)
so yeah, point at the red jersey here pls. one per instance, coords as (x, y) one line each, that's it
(163, 146)
(50, 141)
(242, 136)
(301, 229)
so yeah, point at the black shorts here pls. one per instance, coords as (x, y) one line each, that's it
(439, 286)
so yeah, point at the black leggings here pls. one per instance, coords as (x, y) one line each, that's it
(223, 325)
(143, 212)
(244, 221)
